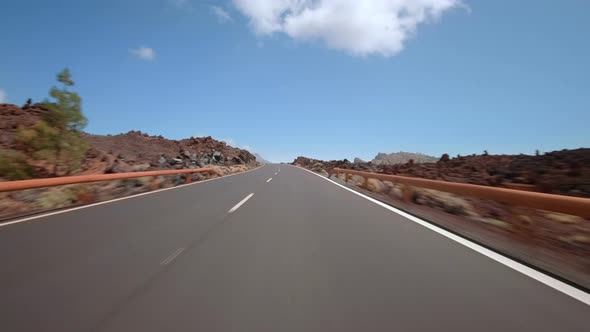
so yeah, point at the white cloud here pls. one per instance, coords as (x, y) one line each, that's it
(144, 53)
(3, 96)
(221, 14)
(359, 27)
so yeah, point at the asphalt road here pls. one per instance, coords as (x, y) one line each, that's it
(301, 254)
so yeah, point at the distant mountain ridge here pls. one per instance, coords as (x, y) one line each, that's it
(402, 158)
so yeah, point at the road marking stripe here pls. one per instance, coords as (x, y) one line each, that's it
(267, 181)
(237, 206)
(172, 256)
(117, 199)
(569, 290)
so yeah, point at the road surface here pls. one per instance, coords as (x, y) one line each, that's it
(245, 253)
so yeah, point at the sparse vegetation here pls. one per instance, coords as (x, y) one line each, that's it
(14, 166)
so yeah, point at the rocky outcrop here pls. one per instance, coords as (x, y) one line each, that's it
(135, 148)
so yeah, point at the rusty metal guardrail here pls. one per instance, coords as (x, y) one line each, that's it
(60, 181)
(557, 203)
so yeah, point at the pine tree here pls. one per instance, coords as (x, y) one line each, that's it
(57, 138)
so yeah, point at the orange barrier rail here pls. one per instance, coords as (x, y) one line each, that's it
(60, 181)
(557, 203)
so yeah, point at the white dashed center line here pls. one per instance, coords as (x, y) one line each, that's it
(267, 181)
(172, 256)
(237, 206)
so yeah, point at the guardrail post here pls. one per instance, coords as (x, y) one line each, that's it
(346, 177)
(154, 183)
(366, 182)
(188, 178)
(407, 193)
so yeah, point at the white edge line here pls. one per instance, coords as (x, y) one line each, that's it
(172, 256)
(119, 199)
(237, 206)
(267, 181)
(571, 291)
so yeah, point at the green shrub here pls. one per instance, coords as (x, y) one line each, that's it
(14, 166)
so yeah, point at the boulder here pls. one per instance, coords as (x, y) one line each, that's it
(118, 167)
(444, 158)
(376, 186)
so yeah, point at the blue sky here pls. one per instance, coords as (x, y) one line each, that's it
(506, 76)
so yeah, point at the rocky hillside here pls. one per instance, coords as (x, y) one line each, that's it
(402, 158)
(136, 150)
(127, 152)
(565, 172)
(12, 116)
